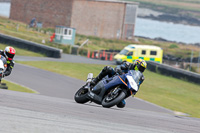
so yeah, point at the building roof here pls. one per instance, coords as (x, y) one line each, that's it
(60, 26)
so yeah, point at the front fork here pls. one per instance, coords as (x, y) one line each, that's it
(115, 91)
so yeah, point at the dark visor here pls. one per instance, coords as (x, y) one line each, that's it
(140, 68)
(10, 55)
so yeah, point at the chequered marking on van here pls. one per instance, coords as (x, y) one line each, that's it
(152, 59)
(129, 57)
(145, 58)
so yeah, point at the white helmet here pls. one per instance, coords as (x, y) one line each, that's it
(9, 52)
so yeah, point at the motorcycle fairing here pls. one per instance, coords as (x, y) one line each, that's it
(130, 80)
(112, 83)
(97, 93)
(132, 84)
(97, 88)
(100, 89)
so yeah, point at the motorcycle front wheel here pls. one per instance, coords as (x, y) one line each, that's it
(81, 95)
(112, 99)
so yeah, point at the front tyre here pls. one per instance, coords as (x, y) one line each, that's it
(81, 95)
(113, 99)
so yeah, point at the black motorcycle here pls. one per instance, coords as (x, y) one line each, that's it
(109, 91)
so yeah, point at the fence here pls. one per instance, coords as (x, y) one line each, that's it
(102, 54)
(174, 72)
(35, 47)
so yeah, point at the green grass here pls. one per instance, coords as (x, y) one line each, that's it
(22, 52)
(8, 27)
(79, 71)
(175, 94)
(173, 5)
(172, 93)
(16, 87)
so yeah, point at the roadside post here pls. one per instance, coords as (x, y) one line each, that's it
(191, 60)
(198, 63)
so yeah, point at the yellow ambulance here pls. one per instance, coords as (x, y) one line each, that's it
(146, 52)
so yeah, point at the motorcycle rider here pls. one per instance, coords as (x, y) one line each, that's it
(9, 54)
(138, 65)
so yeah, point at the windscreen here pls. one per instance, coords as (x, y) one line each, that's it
(123, 52)
(136, 75)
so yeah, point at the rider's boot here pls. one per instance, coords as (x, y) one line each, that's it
(106, 70)
(121, 104)
(97, 79)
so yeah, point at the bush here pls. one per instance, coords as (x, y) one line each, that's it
(193, 69)
(65, 48)
(83, 52)
(78, 44)
(173, 46)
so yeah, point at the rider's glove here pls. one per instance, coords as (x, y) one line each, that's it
(1, 75)
(119, 71)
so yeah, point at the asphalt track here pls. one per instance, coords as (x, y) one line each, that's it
(34, 113)
(54, 110)
(56, 85)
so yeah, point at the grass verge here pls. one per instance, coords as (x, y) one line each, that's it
(16, 87)
(167, 92)
(22, 52)
(20, 30)
(174, 5)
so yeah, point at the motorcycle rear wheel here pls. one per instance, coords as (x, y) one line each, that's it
(112, 100)
(81, 95)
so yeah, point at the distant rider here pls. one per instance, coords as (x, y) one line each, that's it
(9, 54)
(138, 65)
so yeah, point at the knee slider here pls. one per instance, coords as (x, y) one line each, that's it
(110, 69)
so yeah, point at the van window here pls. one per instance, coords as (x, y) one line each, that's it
(123, 52)
(143, 52)
(130, 54)
(153, 53)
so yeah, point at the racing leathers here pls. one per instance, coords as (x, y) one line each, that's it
(120, 69)
(10, 65)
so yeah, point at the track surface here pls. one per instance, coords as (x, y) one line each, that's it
(54, 110)
(56, 85)
(33, 113)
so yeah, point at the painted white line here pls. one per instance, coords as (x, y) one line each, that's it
(174, 112)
